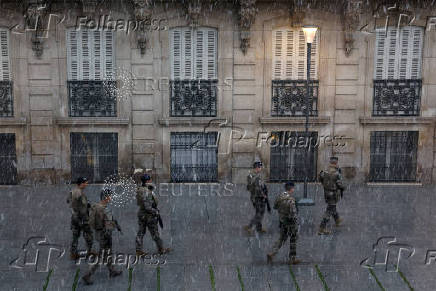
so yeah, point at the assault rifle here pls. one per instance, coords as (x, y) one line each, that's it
(265, 191)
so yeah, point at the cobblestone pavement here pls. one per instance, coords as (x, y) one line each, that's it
(204, 227)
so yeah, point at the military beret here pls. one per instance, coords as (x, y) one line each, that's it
(81, 180)
(257, 165)
(145, 178)
(289, 185)
(334, 159)
(105, 193)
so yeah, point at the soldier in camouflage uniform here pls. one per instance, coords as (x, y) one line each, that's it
(288, 215)
(79, 217)
(257, 188)
(148, 216)
(104, 224)
(333, 187)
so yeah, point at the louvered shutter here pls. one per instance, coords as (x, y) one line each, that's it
(175, 53)
(109, 56)
(398, 54)
(211, 64)
(187, 41)
(289, 59)
(277, 59)
(417, 37)
(90, 55)
(4, 56)
(380, 45)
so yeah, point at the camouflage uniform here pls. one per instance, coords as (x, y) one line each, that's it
(332, 183)
(147, 217)
(287, 209)
(255, 186)
(104, 225)
(80, 219)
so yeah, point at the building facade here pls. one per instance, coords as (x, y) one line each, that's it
(206, 90)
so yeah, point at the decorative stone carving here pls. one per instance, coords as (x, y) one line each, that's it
(193, 10)
(297, 14)
(247, 15)
(142, 12)
(89, 6)
(351, 19)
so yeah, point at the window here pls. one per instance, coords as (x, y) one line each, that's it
(193, 58)
(8, 159)
(397, 71)
(94, 155)
(6, 99)
(194, 157)
(288, 156)
(289, 73)
(90, 60)
(393, 156)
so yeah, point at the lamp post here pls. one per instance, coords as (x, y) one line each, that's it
(309, 35)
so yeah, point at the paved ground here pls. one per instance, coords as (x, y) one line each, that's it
(210, 247)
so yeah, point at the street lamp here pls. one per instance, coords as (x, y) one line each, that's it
(309, 35)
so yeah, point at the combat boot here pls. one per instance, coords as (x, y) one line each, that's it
(269, 258)
(141, 253)
(322, 230)
(87, 280)
(164, 251)
(74, 256)
(339, 221)
(294, 261)
(115, 273)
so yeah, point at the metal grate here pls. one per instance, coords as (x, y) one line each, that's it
(194, 157)
(193, 97)
(6, 99)
(397, 97)
(289, 97)
(393, 156)
(288, 156)
(8, 159)
(94, 155)
(92, 98)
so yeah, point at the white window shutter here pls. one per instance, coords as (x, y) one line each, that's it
(5, 71)
(200, 56)
(417, 39)
(277, 59)
(398, 55)
(314, 58)
(86, 54)
(175, 53)
(301, 56)
(98, 72)
(380, 47)
(289, 55)
(212, 36)
(109, 55)
(73, 54)
(187, 55)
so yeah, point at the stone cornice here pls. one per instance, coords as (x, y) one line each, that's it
(322, 120)
(190, 121)
(397, 120)
(12, 121)
(91, 121)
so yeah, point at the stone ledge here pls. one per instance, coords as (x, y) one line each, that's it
(12, 121)
(295, 120)
(85, 121)
(397, 120)
(190, 121)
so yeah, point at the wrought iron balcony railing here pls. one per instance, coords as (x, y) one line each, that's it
(92, 98)
(6, 99)
(397, 97)
(289, 97)
(193, 98)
